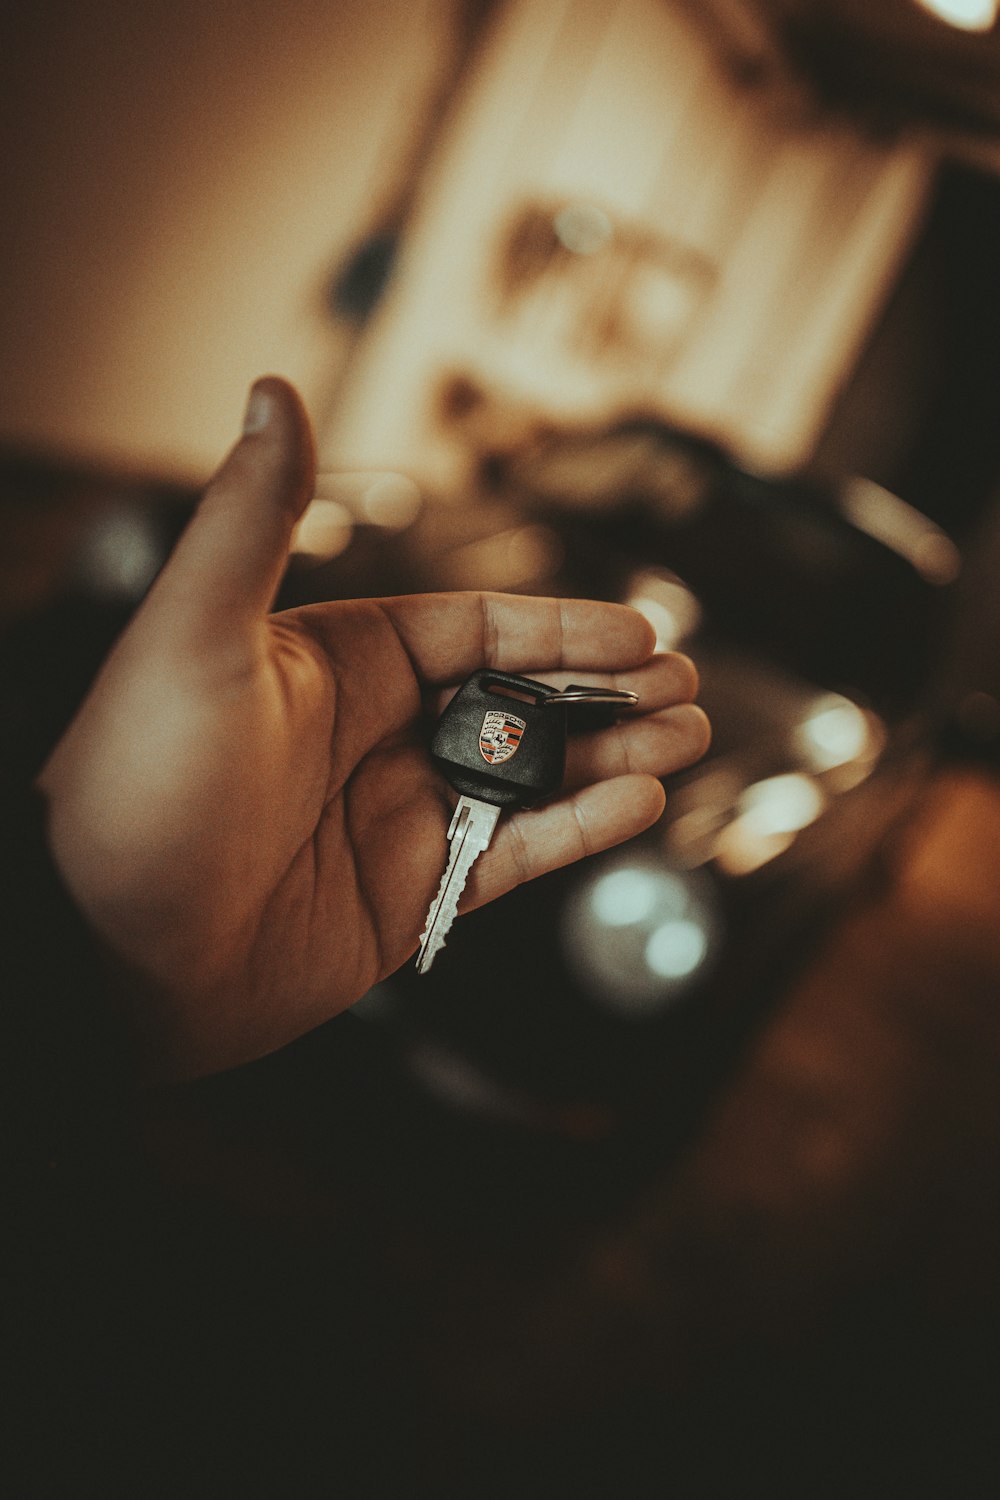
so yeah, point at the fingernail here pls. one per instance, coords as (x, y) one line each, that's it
(259, 410)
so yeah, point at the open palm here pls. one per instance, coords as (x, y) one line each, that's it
(245, 808)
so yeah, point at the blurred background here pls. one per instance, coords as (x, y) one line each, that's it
(692, 306)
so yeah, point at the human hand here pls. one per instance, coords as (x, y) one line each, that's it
(244, 807)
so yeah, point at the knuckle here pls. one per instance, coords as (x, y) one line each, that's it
(585, 840)
(489, 628)
(563, 630)
(520, 856)
(623, 748)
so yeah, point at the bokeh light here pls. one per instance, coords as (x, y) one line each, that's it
(121, 553)
(835, 733)
(324, 532)
(637, 933)
(668, 605)
(967, 15)
(583, 228)
(906, 531)
(676, 948)
(769, 815)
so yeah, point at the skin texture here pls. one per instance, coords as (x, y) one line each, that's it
(244, 807)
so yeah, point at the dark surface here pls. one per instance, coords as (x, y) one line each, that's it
(804, 1301)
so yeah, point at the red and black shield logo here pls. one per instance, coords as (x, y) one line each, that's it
(500, 736)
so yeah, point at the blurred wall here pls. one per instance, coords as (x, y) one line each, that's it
(178, 180)
(750, 244)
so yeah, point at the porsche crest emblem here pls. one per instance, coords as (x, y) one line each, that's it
(500, 736)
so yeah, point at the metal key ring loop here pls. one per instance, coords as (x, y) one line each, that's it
(621, 697)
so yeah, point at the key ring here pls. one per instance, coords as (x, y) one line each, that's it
(574, 694)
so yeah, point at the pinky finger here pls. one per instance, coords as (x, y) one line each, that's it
(530, 844)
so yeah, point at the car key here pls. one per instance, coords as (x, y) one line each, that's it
(501, 742)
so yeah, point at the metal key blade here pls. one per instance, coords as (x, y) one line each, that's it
(470, 833)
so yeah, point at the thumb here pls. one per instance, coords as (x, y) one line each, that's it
(225, 570)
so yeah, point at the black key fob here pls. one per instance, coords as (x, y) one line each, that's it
(502, 739)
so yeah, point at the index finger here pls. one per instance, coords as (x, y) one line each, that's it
(447, 636)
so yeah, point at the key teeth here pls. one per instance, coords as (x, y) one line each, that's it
(442, 885)
(434, 907)
(442, 923)
(470, 833)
